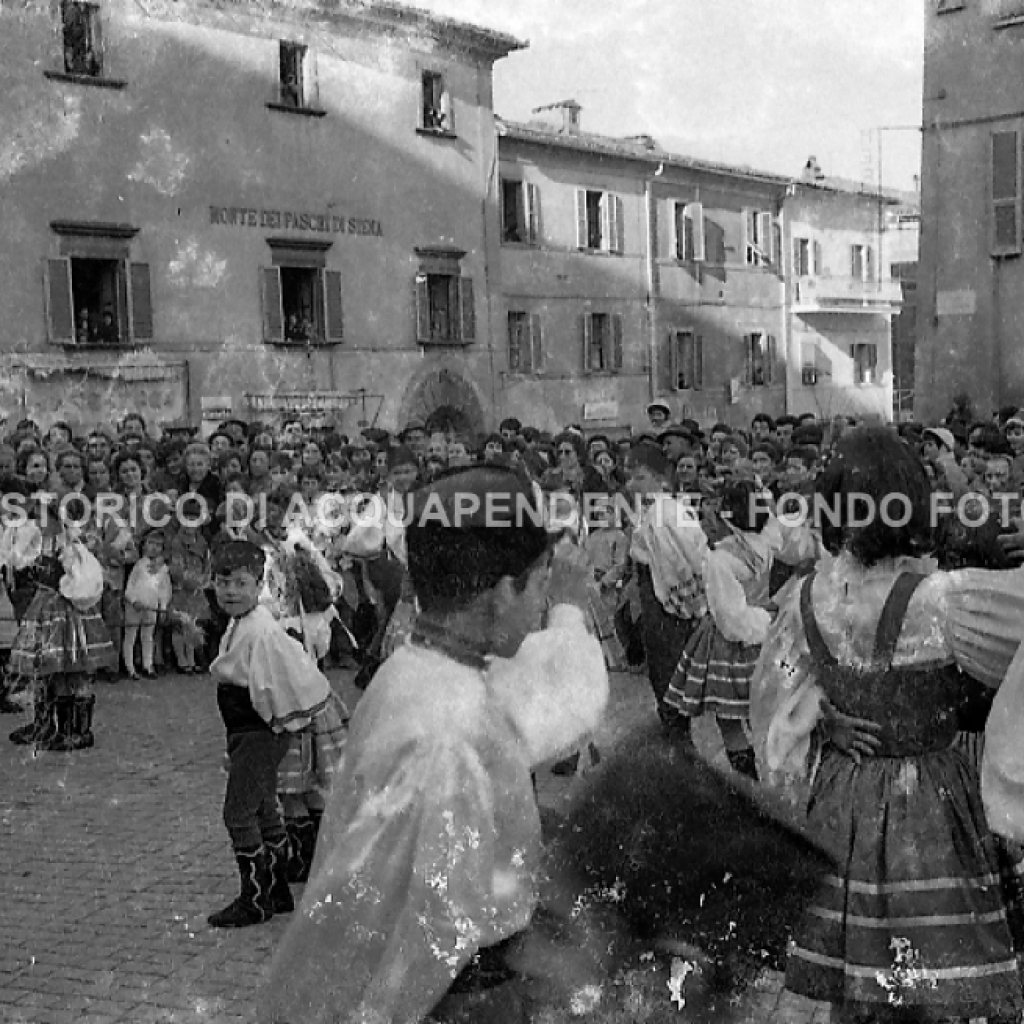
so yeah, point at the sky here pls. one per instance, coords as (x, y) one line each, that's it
(766, 83)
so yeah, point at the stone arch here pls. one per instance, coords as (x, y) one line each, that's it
(444, 400)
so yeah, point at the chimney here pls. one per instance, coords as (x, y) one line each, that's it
(570, 111)
(812, 170)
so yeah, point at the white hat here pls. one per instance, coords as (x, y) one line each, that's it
(942, 435)
(659, 404)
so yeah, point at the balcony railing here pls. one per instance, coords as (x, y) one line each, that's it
(846, 295)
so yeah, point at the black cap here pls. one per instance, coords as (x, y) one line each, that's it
(239, 554)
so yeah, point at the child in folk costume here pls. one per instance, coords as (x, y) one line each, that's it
(62, 641)
(147, 595)
(859, 693)
(718, 661)
(425, 875)
(667, 552)
(268, 691)
(190, 578)
(20, 542)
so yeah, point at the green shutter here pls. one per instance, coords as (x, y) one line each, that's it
(273, 310)
(616, 326)
(334, 320)
(142, 303)
(467, 304)
(60, 318)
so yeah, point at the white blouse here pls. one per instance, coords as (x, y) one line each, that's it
(973, 618)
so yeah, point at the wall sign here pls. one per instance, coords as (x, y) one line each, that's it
(298, 402)
(295, 220)
(605, 410)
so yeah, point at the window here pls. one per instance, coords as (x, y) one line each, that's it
(302, 300)
(525, 354)
(802, 257)
(520, 212)
(759, 238)
(95, 295)
(1006, 193)
(602, 342)
(687, 361)
(689, 225)
(599, 221)
(445, 310)
(809, 370)
(436, 105)
(862, 263)
(292, 74)
(865, 364)
(82, 38)
(760, 356)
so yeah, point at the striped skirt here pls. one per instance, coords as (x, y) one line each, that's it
(713, 675)
(313, 757)
(917, 916)
(55, 638)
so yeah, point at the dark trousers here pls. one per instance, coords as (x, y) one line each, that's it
(252, 813)
(664, 635)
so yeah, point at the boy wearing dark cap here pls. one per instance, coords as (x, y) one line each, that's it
(267, 689)
(425, 873)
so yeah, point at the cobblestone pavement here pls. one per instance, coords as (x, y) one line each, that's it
(110, 860)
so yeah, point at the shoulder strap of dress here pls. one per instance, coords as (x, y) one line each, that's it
(815, 641)
(894, 611)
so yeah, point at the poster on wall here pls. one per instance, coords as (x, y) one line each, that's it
(95, 395)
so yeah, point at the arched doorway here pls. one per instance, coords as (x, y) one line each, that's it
(445, 401)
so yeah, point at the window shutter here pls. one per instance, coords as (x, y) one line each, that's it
(770, 357)
(816, 266)
(698, 362)
(749, 220)
(796, 257)
(532, 214)
(273, 310)
(581, 218)
(588, 341)
(60, 316)
(422, 295)
(141, 301)
(536, 344)
(695, 231)
(766, 237)
(679, 230)
(854, 262)
(749, 341)
(616, 232)
(124, 309)
(607, 238)
(467, 304)
(310, 80)
(1006, 193)
(616, 325)
(96, 36)
(869, 263)
(674, 364)
(334, 320)
(447, 112)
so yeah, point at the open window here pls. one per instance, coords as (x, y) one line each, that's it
(520, 212)
(689, 232)
(82, 38)
(862, 262)
(865, 363)
(95, 294)
(301, 298)
(435, 104)
(602, 342)
(758, 238)
(297, 89)
(525, 346)
(599, 223)
(687, 360)
(445, 299)
(760, 359)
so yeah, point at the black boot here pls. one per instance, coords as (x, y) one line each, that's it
(280, 896)
(81, 729)
(743, 762)
(675, 727)
(302, 833)
(43, 726)
(62, 738)
(252, 905)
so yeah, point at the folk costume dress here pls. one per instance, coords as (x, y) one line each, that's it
(431, 839)
(918, 916)
(714, 672)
